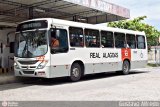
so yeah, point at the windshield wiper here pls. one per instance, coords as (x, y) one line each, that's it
(26, 45)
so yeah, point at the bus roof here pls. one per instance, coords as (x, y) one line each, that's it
(84, 25)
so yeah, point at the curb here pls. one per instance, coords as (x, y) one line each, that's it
(7, 76)
(7, 80)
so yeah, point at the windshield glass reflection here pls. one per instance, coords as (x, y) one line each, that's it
(31, 44)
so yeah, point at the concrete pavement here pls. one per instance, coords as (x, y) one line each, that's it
(142, 84)
(7, 78)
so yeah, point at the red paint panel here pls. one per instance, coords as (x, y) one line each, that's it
(126, 53)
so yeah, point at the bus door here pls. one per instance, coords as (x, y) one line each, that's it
(137, 45)
(131, 44)
(141, 52)
(58, 50)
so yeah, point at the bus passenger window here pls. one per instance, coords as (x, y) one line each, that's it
(76, 37)
(141, 42)
(60, 36)
(92, 38)
(119, 40)
(107, 39)
(131, 40)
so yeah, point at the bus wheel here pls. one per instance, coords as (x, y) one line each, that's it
(125, 67)
(76, 72)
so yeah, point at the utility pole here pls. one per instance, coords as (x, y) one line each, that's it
(156, 55)
(157, 49)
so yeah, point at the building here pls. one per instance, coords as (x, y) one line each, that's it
(86, 11)
(89, 11)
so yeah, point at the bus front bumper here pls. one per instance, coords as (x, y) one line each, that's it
(44, 73)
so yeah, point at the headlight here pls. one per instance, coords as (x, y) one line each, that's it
(16, 65)
(42, 65)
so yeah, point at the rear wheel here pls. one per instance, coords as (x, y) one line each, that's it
(76, 72)
(125, 67)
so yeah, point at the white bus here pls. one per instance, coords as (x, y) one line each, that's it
(83, 49)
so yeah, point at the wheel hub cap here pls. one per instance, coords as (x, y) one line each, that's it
(75, 72)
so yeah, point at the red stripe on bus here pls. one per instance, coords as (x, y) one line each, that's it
(126, 53)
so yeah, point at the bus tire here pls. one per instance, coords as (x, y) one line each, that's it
(125, 67)
(76, 72)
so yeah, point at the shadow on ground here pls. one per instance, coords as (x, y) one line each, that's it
(25, 82)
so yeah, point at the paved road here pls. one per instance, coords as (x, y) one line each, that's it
(142, 84)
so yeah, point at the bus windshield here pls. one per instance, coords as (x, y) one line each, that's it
(30, 44)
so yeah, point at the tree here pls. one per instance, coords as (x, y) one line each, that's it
(136, 24)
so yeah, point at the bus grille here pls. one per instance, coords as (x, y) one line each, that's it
(28, 62)
(26, 67)
(28, 72)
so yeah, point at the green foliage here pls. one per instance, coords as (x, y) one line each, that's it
(151, 32)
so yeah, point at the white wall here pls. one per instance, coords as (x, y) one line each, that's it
(6, 55)
(154, 57)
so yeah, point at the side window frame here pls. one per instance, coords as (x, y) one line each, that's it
(82, 41)
(88, 40)
(107, 39)
(67, 41)
(144, 42)
(115, 41)
(135, 42)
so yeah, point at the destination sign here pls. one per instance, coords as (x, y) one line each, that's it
(32, 25)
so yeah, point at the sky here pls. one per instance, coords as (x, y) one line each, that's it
(149, 8)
